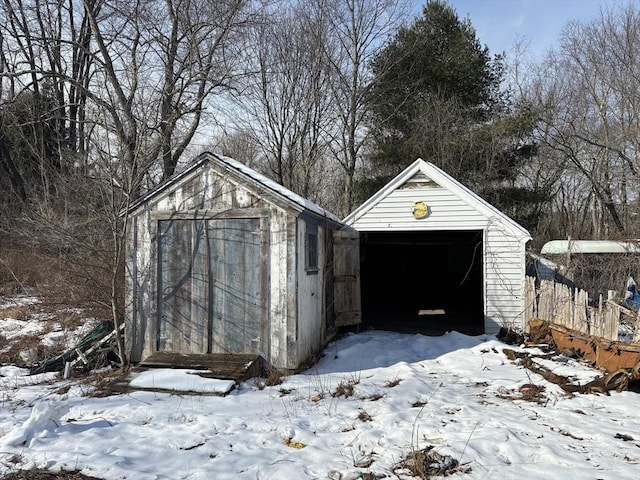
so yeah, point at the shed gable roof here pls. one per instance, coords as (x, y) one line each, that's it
(427, 174)
(244, 175)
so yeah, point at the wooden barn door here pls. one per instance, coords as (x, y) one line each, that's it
(182, 286)
(346, 271)
(235, 260)
(210, 285)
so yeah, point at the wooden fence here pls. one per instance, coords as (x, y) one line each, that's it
(569, 307)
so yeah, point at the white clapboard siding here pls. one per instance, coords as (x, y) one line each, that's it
(453, 207)
(447, 212)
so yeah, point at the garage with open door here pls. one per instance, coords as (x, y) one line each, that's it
(427, 282)
(436, 257)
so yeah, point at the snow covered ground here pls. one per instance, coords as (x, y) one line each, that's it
(374, 398)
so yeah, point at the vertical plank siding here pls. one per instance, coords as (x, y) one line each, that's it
(279, 308)
(569, 307)
(139, 289)
(347, 278)
(178, 255)
(235, 250)
(311, 317)
(200, 278)
(213, 266)
(175, 260)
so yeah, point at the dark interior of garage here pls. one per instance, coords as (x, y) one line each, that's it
(422, 282)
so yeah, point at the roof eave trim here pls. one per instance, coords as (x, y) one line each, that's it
(162, 186)
(446, 181)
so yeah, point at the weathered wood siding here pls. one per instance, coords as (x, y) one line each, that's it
(346, 271)
(569, 307)
(211, 203)
(211, 289)
(504, 266)
(310, 326)
(137, 284)
(282, 307)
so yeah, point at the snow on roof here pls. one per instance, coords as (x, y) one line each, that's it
(274, 186)
(242, 169)
(590, 246)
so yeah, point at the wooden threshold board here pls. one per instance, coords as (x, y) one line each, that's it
(225, 366)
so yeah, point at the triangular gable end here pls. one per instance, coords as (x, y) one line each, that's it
(420, 180)
(421, 171)
(163, 186)
(274, 187)
(244, 175)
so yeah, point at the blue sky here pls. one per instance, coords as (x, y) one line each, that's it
(499, 23)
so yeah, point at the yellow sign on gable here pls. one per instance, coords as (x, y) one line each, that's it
(420, 209)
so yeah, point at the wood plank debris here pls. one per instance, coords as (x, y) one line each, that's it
(569, 307)
(89, 350)
(224, 366)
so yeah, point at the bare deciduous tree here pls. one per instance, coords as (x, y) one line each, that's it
(126, 86)
(589, 93)
(357, 30)
(44, 67)
(306, 104)
(287, 99)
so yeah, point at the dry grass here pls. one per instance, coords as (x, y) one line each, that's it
(19, 349)
(345, 388)
(393, 382)
(274, 376)
(39, 474)
(20, 268)
(17, 312)
(66, 300)
(61, 282)
(47, 475)
(533, 393)
(105, 383)
(24, 269)
(427, 463)
(363, 416)
(27, 349)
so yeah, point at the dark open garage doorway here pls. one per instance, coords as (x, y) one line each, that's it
(423, 282)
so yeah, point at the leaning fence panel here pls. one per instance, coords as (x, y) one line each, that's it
(569, 307)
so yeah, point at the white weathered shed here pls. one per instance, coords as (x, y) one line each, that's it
(436, 256)
(222, 260)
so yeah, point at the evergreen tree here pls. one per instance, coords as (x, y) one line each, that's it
(436, 95)
(434, 68)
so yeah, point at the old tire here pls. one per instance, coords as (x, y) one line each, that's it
(618, 380)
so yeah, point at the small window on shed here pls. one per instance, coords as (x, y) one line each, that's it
(311, 247)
